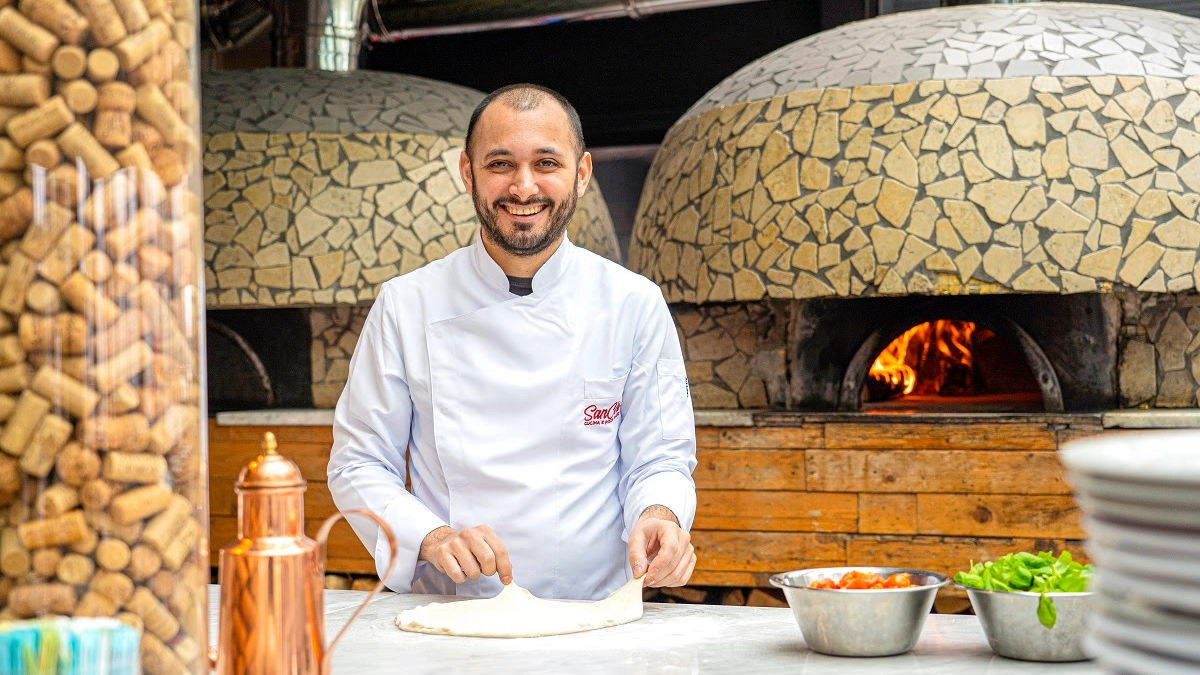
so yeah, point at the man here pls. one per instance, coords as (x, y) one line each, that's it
(539, 389)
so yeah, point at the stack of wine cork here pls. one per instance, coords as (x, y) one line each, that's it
(101, 468)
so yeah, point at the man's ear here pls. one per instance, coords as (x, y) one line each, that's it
(464, 170)
(584, 175)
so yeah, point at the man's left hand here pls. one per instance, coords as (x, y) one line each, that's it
(657, 541)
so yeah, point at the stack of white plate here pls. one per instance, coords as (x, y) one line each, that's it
(1140, 496)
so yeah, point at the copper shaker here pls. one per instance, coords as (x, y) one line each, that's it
(272, 619)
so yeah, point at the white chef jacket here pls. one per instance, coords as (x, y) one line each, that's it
(555, 418)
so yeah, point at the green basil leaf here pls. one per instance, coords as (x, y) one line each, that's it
(1046, 613)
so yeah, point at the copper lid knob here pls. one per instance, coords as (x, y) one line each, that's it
(270, 469)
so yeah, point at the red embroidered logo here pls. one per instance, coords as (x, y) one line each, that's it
(594, 415)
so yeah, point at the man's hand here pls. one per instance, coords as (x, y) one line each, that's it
(467, 554)
(658, 541)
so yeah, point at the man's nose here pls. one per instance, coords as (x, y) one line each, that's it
(523, 184)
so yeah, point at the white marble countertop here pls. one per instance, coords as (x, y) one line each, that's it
(668, 640)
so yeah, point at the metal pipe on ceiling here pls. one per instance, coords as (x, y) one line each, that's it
(335, 34)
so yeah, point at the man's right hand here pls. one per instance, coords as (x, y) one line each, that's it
(467, 554)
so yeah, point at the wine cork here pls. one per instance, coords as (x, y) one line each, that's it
(35, 67)
(114, 129)
(118, 370)
(158, 659)
(37, 599)
(57, 500)
(156, 617)
(184, 647)
(95, 494)
(134, 50)
(15, 560)
(15, 378)
(10, 350)
(154, 263)
(55, 531)
(44, 445)
(46, 230)
(65, 257)
(21, 270)
(77, 465)
(65, 333)
(144, 563)
(147, 136)
(122, 433)
(113, 585)
(77, 143)
(83, 296)
(96, 266)
(112, 555)
(121, 400)
(182, 97)
(11, 480)
(136, 156)
(58, 17)
(164, 527)
(169, 339)
(45, 561)
(25, 420)
(184, 33)
(69, 62)
(22, 91)
(169, 167)
(73, 366)
(11, 157)
(156, 109)
(102, 66)
(62, 184)
(65, 391)
(163, 584)
(123, 280)
(28, 37)
(122, 334)
(133, 14)
(130, 619)
(102, 522)
(182, 544)
(95, 604)
(139, 503)
(16, 212)
(123, 467)
(43, 297)
(80, 96)
(86, 545)
(123, 242)
(10, 59)
(44, 121)
(167, 431)
(44, 153)
(107, 27)
(75, 569)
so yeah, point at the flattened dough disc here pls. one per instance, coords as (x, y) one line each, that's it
(516, 613)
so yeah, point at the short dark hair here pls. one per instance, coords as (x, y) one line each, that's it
(525, 97)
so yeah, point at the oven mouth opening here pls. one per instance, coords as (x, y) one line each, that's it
(951, 365)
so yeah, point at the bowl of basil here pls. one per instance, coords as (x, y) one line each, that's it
(1032, 607)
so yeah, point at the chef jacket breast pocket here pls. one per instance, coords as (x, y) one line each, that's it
(602, 402)
(675, 400)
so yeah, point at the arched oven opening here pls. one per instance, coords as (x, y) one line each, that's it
(951, 364)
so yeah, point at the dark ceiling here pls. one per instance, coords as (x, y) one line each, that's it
(630, 79)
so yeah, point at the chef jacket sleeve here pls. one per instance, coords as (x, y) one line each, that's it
(371, 429)
(658, 431)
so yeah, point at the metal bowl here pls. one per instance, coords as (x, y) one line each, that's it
(879, 622)
(1012, 628)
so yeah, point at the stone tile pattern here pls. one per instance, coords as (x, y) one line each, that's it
(284, 100)
(972, 42)
(1028, 184)
(734, 353)
(335, 332)
(1159, 349)
(311, 218)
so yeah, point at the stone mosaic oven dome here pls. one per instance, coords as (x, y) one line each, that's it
(996, 149)
(319, 186)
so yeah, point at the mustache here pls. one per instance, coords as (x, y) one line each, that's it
(539, 201)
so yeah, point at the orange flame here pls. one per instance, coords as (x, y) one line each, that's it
(921, 359)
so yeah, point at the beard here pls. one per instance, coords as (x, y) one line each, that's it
(525, 241)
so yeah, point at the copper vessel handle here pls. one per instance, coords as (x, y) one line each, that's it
(322, 536)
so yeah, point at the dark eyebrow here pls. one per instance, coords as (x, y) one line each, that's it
(498, 152)
(549, 151)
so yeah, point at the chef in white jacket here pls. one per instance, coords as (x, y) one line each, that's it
(539, 389)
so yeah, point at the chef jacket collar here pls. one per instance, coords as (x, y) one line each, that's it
(549, 272)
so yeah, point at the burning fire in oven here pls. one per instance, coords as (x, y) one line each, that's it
(935, 358)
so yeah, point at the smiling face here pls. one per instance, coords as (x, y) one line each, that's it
(524, 176)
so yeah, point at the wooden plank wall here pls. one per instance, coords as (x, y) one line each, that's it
(931, 496)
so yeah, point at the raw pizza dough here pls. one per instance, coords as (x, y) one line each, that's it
(516, 613)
